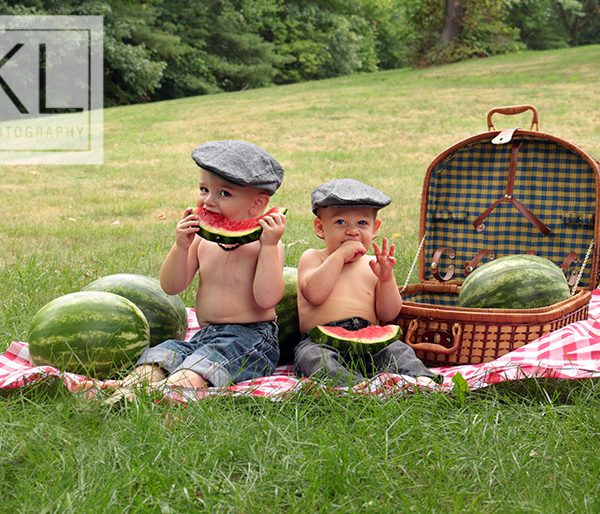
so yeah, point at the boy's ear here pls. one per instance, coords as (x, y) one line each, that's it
(376, 226)
(261, 200)
(318, 226)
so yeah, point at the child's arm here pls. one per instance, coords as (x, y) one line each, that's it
(317, 279)
(387, 296)
(268, 286)
(181, 263)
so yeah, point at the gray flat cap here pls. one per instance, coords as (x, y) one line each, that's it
(240, 162)
(347, 192)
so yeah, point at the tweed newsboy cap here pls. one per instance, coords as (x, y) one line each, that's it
(347, 192)
(240, 162)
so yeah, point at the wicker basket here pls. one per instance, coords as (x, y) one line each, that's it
(494, 194)
(442, 333)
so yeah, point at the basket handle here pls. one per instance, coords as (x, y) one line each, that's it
(512, 110)
(434, 347)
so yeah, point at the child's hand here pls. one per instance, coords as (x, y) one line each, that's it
(273, 227)
(351, 250)
(384, 262)
(186, 229)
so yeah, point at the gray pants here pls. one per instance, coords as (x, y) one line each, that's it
(323, 361)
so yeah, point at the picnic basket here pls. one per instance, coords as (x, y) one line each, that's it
(498, 193)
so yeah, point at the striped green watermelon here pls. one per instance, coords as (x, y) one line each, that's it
(287, 317)
(92, 333)
(366, 340)
(166, 314)
(219, 229)
(514, 282)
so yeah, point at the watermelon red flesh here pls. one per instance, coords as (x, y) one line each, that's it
(92, 333)
(219, 229)
(287, 317)
(515, 282)
(370, 339)
(166, 314)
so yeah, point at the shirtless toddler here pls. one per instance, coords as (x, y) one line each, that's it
(238, 286)
(340, 285)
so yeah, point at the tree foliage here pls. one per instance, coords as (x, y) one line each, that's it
(161, 49)
(556, 23)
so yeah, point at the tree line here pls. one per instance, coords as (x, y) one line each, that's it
(164, 49)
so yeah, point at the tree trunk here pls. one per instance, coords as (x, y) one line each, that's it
(453, 21)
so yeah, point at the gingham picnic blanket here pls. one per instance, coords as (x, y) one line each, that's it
(572, 352)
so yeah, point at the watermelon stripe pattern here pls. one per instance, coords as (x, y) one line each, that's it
(515, 282)
(91, 333)
(287, 316)
(166, 314)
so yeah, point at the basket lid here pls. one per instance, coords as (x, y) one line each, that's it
(510, 192)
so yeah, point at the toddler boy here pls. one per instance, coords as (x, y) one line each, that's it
(339, 285)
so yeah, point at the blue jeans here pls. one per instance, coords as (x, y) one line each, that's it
(324, 361)
(221, 354)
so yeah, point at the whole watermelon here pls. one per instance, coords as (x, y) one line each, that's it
(166, 314)
(287, 317)
(92, 333)
(514, 282)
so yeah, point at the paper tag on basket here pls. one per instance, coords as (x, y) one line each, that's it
(504, 137)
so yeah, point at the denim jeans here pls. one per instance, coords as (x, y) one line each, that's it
(342, 369)
(220, 353)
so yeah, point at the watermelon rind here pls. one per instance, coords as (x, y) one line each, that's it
(514, 282)
(92, 333)
(218, 229)
(166, 314)
(287, 316)
(368, 340)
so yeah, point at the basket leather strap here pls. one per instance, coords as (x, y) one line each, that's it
(509, 197)
(470, 266)
(570, 259)
(435, 264)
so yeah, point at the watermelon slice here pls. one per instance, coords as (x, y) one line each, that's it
(219, 229)
(370, 339)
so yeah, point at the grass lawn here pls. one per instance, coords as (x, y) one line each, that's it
(528, 447)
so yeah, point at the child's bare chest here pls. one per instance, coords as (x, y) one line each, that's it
(217, 266)
(356, 280)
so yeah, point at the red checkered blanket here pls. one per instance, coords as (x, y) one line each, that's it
(572, 352)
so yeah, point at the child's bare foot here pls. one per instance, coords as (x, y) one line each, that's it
(119, 396)
(186, 379)
(143, 375)
(111, 384)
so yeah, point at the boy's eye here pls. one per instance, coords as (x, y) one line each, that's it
(363, 222)
(224, 193)
(340, 222)
(204, 190)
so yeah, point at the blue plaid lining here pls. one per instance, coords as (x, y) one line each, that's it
(556, 184)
